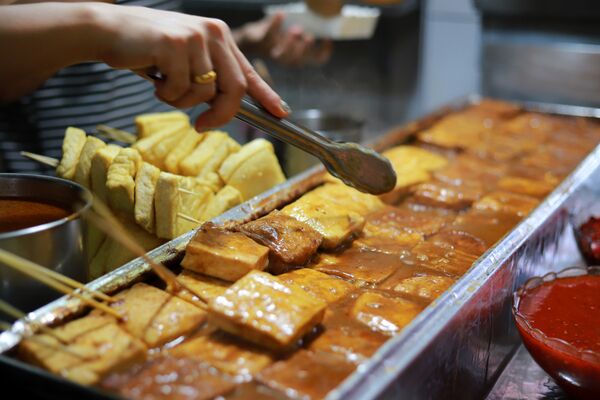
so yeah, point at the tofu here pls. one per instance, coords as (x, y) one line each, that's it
(147, 145)
(253, 169)
(188, 143)
(222, 254)
(225, 353)
(166, 205)
(485, 225)
(526, 186)
(84, 166)
(212, 180)
(97, 265)
(225, 199)
(317, 284)
(203, 288)
(292, 243)
(145, 188)
(263, 310)
(506, 202)
(220, 153)
(99, 166)
(353, 342)
(444, 195)
(214, 142)
(471, 170)
(155, 316)
(192, 203)
(149, 124)
(120, 180)
(161, 149)
(383, 314)
(71, 148)
(93, 240)
(426, 287)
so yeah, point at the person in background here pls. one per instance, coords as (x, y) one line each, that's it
(71, 63)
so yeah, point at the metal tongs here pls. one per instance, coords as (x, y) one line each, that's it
(356, 165)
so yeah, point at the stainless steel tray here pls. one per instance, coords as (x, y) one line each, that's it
(456, 347)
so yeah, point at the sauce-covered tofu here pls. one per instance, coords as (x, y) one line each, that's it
(384, 314)
(445, 195)
(203, 288)
(262, 309)
(291, 242)
(355, 343)
(427, 287)
(506, 202)
(223, 254)
(318, 284)
(485, 225)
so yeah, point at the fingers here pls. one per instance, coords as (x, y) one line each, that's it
(173, 63)
(323, 53)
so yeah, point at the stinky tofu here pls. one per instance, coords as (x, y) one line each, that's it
(354, 342)
(384, 314)
(504, 147)
(412, 165)
(100, 164)
(166, 204)
(471, 170)
(145, 187)
(451, 252)
(507, 202)
(203, 287)
(219, 154)
(307, 374)
(226, 198)
(71, 150)
(426, 287)
(84, 166)
(186, 145)
(291, 242)
(262, 309)
(224, 352)
(222, 254)
(444, 195)
(120, 180)
(529, 187)
(215, 144)
(148, 124)
(318, 284)
(155, 316)
(193, 199)
(160, 142)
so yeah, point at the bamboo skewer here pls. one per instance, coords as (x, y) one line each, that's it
(28, 268)
(18, 314)
(188, 218)
(49, 161)
(116, 134)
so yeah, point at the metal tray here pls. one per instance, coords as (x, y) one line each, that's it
(456, 347)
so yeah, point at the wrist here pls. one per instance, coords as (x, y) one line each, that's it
(93, 32)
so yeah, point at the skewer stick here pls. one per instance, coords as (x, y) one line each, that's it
(188, 218)
(49, 161)
(25, 266)
(116, 134)
(182, 190)
(18, 314)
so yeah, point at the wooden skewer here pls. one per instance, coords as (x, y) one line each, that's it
(116, 134)
(182, 190)
(49, 161)
(18, 314)
(188, 218)
(25, 266)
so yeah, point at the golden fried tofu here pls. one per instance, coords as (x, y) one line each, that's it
(162, 138)
(218, 156)
(307, 374)
(471, 170)
(149, 124)
(71, 148)
(155, 316)
(506, 202)
(354, 342)
(186, 145)
(100, 164)
(225, 353)
(212, 180)
(292, 243)
(193, 199)
(84, 166)
(226, 198)
(504, 146)
(253, 169)
(426, 287)
(120, 180)
(528, 187)
(203, 288)
(161, 149)
(412, 165)
(445, 195)
(262, 309)
(217, 145)
(462, 130)
(358, 265)
(322, 286)
(94, 346)
(145, 187)
(166, 204)
(485, 225)
(387, 315)
(222, 254)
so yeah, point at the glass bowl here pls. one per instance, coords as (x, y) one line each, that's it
(576, 370)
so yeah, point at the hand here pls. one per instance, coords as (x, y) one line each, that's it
(292, 48)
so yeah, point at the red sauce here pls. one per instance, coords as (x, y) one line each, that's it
(17, 213)
(567, 309)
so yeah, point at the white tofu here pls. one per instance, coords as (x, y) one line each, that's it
(100, 163)
(72, 145)
(226, 198)
(192, 201)
(149, 124)
(84, 166)
(120, 180)
(166, 204)
(145, 187)
(146, 145)
(215, 142)
(188, 143)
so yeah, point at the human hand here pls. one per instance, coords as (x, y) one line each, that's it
(292, 48)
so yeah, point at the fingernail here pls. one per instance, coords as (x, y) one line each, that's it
(286, 107)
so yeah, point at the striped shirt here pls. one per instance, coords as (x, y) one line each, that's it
(82, 95)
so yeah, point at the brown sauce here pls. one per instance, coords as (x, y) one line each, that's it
(17, 213)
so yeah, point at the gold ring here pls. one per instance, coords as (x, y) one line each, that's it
(209, 77)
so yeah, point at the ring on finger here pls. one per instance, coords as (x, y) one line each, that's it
(203, 79)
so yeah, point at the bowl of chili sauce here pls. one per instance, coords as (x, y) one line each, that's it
(558, 317)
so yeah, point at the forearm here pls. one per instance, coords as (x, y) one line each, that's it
(37, 40)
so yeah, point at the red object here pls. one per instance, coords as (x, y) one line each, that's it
(558, 317)
(589, 240)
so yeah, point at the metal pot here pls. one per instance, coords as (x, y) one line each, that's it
(57, 245)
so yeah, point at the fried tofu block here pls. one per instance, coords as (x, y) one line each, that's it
(471, 170)
(222, 254)
(120, 180)
(145, 187)
(72, 146)
(84, 166)
(95, 345)
(460, 130)
(427, 287)
(262, 309)
(215, 144)
(161, 150)
(146, 146)
(528, 187)
(317, 284)
(149, 124)
(291, 242)
(225, 353)
(348, 198)
(100, 164)
(253, 169)
(155, 316)
(186, 145)
(506, 202)
(192, 201)
(309, 375)
(220, 153)
(203, 287)
(166, 204)
(485, 225)
(355, 343)
(444, 195)
(412, 165)
(384, 314)
(212, 180)
(504, 147)
(226, 198)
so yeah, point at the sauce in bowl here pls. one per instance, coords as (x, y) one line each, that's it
(20, 213)
(558, 317)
